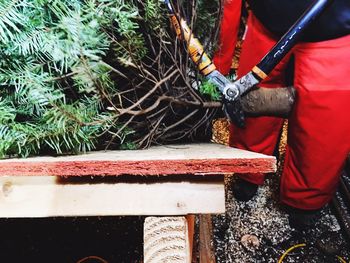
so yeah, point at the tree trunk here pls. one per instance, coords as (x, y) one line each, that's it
(269, 102)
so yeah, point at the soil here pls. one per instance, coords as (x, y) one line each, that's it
(69, 240)
(263, 220)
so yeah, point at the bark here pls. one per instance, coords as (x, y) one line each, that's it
(269, 102)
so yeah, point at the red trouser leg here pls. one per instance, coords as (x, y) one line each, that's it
(261, 134)
(319, 128)
(228, 35)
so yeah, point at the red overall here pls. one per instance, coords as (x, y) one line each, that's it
(319, 126)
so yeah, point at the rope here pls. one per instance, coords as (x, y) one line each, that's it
(94, 257)
(341, 260)
(289, 250)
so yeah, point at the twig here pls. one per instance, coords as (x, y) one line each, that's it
(180, 121)
(119, 131)
(137, 103)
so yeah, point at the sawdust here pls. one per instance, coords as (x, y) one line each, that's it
(282, 148)
(237, 54)
(263, 218)
(221, 131)
(258, 217)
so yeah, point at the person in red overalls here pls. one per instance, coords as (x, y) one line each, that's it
(319, 125)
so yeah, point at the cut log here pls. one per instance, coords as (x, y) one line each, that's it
(166, 240)
(276, 102)
(193, 159)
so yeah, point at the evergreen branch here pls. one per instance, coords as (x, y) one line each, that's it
(76, 75)
(10, 18)
(29, 43)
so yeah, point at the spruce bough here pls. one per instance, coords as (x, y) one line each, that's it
(66, 67)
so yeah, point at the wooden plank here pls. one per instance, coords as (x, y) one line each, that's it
(46, 196)
(206, 246)
(194, 159)
(191, 231)
(166, 240)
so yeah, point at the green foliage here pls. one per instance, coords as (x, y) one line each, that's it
(209, 89)
(62, 62)
(52, 73)
(126, 15)
(12, 18)
(154, 14)
(207, 23)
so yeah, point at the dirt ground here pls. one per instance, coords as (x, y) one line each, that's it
(70, 240)
(262, 222)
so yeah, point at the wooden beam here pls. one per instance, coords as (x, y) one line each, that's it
(49, 196)
(191, 231)
(194, 159)
(166, 240)
(206, 246)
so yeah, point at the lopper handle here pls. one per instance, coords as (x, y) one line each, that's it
(194, 47)
(287, 42)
